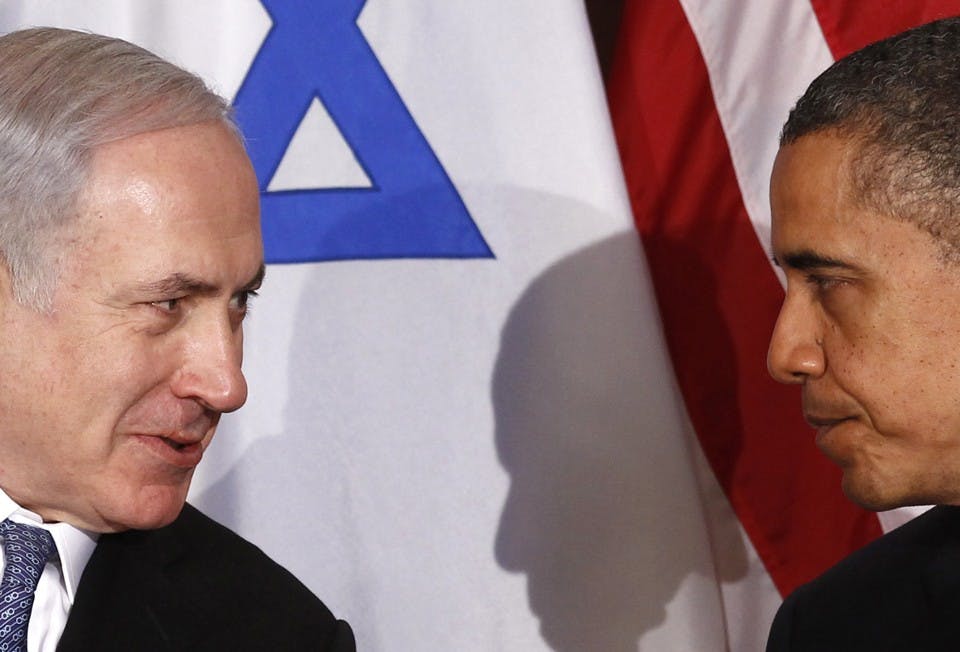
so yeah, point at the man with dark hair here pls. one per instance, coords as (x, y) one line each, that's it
(129, 248)
(865, 199)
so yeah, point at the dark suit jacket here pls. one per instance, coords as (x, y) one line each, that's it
(900, 593)
(194, 585)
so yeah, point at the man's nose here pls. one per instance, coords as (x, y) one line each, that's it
(211, 372)
(796, 346)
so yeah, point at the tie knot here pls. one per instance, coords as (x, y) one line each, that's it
(26, 550)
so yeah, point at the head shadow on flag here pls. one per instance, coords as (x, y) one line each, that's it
(598, 514)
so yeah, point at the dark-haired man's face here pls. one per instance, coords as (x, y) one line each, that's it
(108, 402)
(869, 329)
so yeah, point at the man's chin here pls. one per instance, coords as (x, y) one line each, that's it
(877, 496)
(153, 520)
(158, 508)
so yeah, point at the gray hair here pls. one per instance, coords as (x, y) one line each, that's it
(898, 100)
(63, 93)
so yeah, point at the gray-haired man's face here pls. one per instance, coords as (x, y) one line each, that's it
(108, 402)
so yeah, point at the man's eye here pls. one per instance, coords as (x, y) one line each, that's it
(823, 283)
(167, 305)
(242, 301)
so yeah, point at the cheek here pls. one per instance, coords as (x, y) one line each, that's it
(868, 369)
(909, 386)
(110, 375)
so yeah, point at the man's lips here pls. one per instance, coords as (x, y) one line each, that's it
(825, 439)
(175, 449)
(818, 422)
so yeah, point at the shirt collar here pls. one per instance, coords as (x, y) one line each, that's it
(74, 546)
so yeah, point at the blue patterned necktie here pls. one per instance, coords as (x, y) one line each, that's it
(26, 550)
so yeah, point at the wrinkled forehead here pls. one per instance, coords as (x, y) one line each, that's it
(170, 194)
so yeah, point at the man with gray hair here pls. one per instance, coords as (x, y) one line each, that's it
(130, 247)
(865, 199)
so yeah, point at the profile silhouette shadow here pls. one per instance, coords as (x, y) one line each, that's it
(603, 513)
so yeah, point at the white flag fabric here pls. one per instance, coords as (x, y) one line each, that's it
(463, 431)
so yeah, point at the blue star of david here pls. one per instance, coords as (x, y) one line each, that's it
(411, 210)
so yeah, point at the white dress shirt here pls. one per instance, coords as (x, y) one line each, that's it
(58, 583)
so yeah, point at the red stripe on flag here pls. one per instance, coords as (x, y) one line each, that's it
(719, 299)
(849, 26)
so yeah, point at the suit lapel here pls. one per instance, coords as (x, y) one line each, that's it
(128, 597)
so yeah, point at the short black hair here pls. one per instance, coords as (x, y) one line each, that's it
(899, 100)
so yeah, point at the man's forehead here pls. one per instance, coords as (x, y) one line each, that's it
(184, 221)
(818, 220)
(810, 183)
(826, 155)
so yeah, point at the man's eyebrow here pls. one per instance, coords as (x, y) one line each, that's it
(257, 280)
(179, 283)
(806, 260)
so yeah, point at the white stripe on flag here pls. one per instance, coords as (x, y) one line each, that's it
(761, 56)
